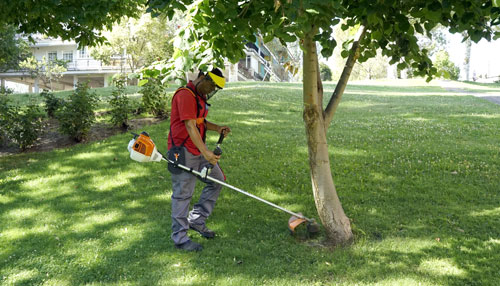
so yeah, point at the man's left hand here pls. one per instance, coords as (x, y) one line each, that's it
(223, 129)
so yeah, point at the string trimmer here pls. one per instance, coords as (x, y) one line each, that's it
(143, 149)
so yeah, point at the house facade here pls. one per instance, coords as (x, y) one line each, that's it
(260, 64)
(79, 64)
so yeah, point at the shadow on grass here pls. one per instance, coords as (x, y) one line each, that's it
(423, 211)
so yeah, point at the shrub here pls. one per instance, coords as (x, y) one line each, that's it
(26, 126)
(6, 114)
(76, 117)
(120, 105)
(325, 72)
(52, 103)
(22, 127)
(155, 98)
(6, 90)
(137, 106)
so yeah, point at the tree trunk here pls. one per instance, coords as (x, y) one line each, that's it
(333, 218)
(468, 47)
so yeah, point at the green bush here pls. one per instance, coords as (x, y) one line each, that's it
(52, 103)
(6, 114)
(6, 90)
(155, 98)
(120, 105)
(23, 127)
(325, 72)
(26, 126)
(137, 106)
(76, 116)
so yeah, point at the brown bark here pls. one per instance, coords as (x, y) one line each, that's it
(329, 208)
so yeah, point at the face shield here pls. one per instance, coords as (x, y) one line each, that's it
(217, 82)
(209, 95)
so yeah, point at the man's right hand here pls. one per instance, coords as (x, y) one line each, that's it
(211, 157)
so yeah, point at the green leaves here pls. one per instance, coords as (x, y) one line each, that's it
(377, 35)
(392, 26)
(312, 11)
(403, 25)
(12, 49)
(142, 82)
(418, 28)
(78, 20)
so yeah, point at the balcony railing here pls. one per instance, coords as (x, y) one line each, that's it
(92, 64)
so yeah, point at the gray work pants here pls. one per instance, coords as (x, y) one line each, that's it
(183, 185)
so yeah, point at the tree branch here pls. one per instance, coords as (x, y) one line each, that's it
(344, 78)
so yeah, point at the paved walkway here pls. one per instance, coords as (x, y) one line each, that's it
(491, 95)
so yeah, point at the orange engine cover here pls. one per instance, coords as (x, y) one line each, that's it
(144, 145)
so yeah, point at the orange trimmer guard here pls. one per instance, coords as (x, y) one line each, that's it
(294, 221)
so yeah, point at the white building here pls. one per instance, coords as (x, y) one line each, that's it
(80, 66)
(259, 64)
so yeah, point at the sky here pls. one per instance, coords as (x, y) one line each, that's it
(485, 56)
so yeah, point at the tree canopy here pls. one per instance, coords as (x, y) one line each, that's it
(143, 40)
(71, 19)
(221, 28)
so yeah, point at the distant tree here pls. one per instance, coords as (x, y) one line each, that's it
(373, 68)
(13, 49)
(435, 41)
(47, 71)
(143, 40)
(446, 68)
(325, 71)
(468, 49)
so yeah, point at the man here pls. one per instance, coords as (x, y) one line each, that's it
(188, 126)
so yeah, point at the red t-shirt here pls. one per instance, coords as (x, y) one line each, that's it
(184, 108)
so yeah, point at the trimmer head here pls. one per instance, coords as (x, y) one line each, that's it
(313, 227)
(295, 221)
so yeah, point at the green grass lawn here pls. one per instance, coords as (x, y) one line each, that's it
(103, 93)
(416, 167)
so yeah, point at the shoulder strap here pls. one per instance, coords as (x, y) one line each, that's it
(197, 113)
(198, 106)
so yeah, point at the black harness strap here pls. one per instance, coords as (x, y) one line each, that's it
(198, 108)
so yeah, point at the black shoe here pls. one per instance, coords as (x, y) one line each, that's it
(203, 230)
(189, 246)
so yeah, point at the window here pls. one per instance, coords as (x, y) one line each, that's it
(82, 54)
(52, 56)
(68, 56)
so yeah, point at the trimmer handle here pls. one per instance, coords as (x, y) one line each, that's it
(221, 137)
(218, 150)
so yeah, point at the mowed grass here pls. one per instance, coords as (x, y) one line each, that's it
(416, 167)
(104, 94)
